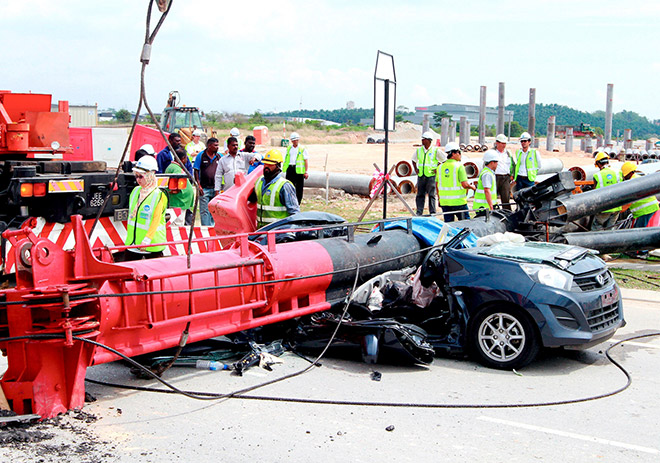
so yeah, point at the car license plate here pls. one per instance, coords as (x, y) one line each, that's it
(610, 297)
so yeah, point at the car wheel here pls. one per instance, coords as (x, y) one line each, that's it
(504, 338)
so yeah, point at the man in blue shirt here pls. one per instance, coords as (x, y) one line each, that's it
(165, 157)
(205, 166)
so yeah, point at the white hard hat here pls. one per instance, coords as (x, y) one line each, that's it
(234, 132)
(525, 136)
(427, 135)
(148, 148)
(501, 138)
(490, 156)
(146, 163)
(452, 146)
(197, 133)
(294, 136)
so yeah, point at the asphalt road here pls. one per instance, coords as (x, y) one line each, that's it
(149, 427)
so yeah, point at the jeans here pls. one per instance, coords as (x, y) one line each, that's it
(523, 182)
(205, 215)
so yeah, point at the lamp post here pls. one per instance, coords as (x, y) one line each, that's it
(384, 104)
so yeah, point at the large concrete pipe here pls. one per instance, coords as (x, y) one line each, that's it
(404, 169)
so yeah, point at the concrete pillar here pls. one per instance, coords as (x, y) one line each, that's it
(569, 139)
(426, 123)
(648, 145)
(452, 130)
(627, 138)
(464, 129)
(583, 144)
(531, 121)
(500, 110)
(588, 145)
(482, 115)
(444, 131)
(550, 141)
(599, 142)
(608, 114)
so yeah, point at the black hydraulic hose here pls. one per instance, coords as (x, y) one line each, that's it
(240, 395)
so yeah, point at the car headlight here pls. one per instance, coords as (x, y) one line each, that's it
(548, 276)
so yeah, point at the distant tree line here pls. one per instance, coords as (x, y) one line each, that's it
(640, 125)
(341, 116)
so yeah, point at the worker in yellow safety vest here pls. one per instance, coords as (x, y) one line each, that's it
(452, 185)
(485, 197)
(643, 209)
(275, 196)
(605, 177)
(146, 219)
(296, 165)
(425, 161)
(528, 163)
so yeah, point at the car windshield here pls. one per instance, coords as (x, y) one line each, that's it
(536, 252)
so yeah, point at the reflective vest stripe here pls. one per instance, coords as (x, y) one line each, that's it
(450, 191)
(138, 224)
(531, 164)
(270, 208)
(300, 160)
(480, 201)
(427, 162)
(606, 177)
(644, 206)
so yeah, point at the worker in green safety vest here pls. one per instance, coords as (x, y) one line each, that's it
(643, 209)
(296, 165)
(425, 161)
(605, 177)
(452, 185)
(146, 219)
(275, 196)
(528, 163)
(485, 197)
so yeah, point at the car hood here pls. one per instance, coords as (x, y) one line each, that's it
(573, 259)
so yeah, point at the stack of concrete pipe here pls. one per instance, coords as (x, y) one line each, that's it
(476, 147)
(548, 166)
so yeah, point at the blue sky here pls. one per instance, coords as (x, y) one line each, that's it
(270, 56)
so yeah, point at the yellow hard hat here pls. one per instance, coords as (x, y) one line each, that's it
(627, 168)
(273, 157)
(600, 156)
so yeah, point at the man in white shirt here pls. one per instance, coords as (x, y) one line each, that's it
(196, 146)
(296, 165)
(528, 163)
(228, 165)
(504, 171)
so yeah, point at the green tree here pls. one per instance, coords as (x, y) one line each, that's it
(437, 118)
(123, 115)
(257, 119)
(516, 128)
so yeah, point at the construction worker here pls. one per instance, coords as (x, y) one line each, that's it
(183, 199)
(528, 163)
(145, 150)
(452, 185)
(234, 132)
(165, 156)
(504, 172)
(205, 167)
(425, 161)
(485, 196)
(196, 146)
(230, 164)
(146, 219)
(643, 209)
(275, 196)
(605, 176)
(296, 165)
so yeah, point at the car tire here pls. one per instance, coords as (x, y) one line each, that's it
(503, 337)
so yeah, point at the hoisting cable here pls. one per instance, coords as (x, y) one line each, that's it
(144, 58)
